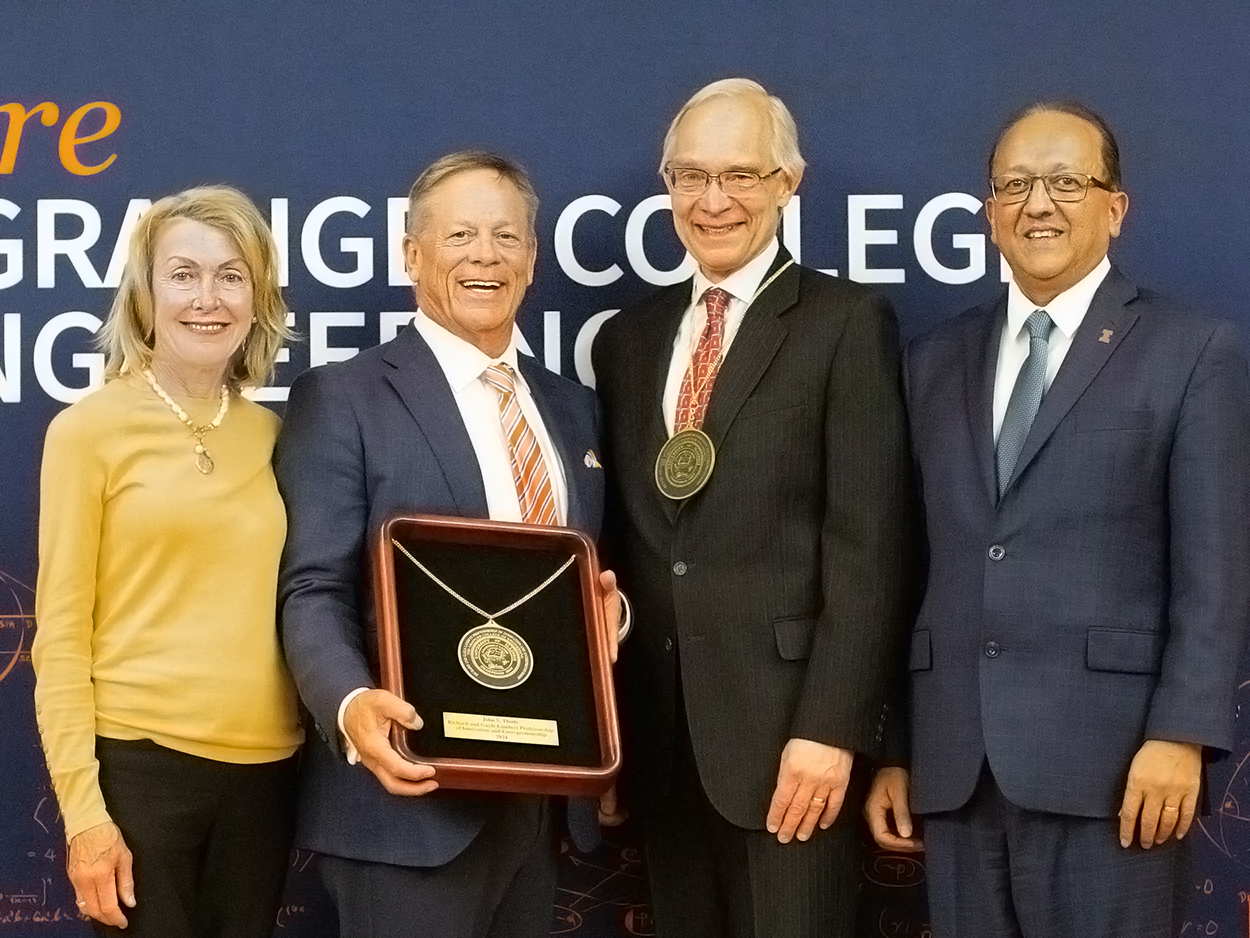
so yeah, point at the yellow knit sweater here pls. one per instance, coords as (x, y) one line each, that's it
(156, 593)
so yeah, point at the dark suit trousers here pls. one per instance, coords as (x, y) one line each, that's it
(501, 886)
(712, 879)
(996, 870)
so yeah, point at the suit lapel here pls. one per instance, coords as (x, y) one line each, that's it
(558, 419)
(758, 339)
(1109, 317)
(982, 340)
(421, 384)
(653, 354)
(655, 351)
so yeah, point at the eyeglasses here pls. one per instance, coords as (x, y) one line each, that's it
(1061, 187)
(685, 181)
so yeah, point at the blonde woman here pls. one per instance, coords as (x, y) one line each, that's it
(167, 714)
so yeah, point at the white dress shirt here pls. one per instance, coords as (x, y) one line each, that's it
(463, 365)
(1067, 310)
(741, 286)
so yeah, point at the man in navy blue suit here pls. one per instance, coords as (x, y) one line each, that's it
(1082, 451)
(416, 425)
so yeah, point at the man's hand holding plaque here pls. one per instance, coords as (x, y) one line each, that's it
(503, 635)
(367, 722)
(611, 612)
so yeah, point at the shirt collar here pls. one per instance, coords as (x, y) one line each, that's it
(1066, 310)
(462, 362)
(744, 281)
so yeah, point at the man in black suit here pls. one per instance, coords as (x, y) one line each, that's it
(1082, 449)
(417, 425)
(766, 554)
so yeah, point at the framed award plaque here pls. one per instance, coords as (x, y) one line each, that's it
(494, 632)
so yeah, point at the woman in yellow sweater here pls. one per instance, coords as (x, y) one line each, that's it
(167, 714)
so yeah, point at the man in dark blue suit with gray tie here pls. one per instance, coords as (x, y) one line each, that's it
(445, 419)
(1082, 451)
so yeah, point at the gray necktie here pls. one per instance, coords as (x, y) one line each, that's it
(1026, 397)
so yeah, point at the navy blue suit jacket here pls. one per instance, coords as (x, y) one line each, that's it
(1104, 600)
(361, 440)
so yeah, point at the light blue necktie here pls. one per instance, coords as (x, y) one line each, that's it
(1026, 397)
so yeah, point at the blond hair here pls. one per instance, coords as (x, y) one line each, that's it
(128, 334)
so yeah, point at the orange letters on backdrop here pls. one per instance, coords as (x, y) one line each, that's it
(67, 148)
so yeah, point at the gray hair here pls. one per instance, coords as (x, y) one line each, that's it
(785, 134)
(464, 161)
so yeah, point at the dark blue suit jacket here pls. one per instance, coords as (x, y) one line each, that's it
(1104, 600)
(361, 440)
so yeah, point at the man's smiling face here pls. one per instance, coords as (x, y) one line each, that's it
(1051, 245)
(472, 256)
(724, 233)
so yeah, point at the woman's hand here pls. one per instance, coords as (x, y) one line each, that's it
(100, 867)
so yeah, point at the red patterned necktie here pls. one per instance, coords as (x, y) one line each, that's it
(529, 472)
(696, 387)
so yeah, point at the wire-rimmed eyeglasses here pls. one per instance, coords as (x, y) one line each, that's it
(1009, 188)
(686, 180)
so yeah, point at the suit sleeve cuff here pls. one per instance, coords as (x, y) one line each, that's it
(627, 618)
(348, 749)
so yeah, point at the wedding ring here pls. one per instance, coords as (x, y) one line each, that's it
(818, 800)
(81, 903)
(1169, 807)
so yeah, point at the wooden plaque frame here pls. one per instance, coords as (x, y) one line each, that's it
(396, 627)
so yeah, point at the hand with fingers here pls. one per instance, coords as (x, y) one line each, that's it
(886, 802)
(100, 866)
(1162, 792)
(367, 722)
(811, 785)
(611, 813)
(611, 611)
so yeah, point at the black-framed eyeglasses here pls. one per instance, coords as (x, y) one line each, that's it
(688, 181)
(1009, 188)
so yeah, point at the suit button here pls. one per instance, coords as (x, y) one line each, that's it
(997, 552)
(991, 649)
(668, 644)
(679, 568)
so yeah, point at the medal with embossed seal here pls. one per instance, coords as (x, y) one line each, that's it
(685, 463)
(496, 657)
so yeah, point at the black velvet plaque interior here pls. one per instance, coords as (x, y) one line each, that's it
(553, 624)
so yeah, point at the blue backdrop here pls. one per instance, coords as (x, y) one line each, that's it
(324, 113)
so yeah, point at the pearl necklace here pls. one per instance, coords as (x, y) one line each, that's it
(203, 461)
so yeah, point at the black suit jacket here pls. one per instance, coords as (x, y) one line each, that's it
(1104, 600)
(782, 585)
(364, 439)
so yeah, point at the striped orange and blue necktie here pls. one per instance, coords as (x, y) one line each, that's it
(529, 472)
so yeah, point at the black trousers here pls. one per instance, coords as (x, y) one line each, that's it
(996, 870)
(501, 886)
(211, 840)
(712, 879)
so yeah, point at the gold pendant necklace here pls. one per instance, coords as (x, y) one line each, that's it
(490, 653)
(203, 461)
